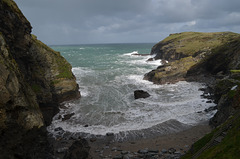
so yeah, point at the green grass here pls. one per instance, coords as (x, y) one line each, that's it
(229, 148)
(63, 67)
(177, 67)
(235, 71)
(192, 42)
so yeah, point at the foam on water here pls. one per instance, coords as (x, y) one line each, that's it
(108, 104)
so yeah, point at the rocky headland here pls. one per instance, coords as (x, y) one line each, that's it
(34, 80)
(213, 59)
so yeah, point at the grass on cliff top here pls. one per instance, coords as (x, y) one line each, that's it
(177, 67)
(235, 71)
(229, 148)
(64, 68)
(192, 42)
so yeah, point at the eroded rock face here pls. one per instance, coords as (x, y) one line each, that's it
(32, 76)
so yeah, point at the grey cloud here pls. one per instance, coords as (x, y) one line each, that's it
(100, 21)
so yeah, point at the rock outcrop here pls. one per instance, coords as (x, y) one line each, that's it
(141, 94)
(34, 78)
(223, 65)
(214, 59)
(182, 51)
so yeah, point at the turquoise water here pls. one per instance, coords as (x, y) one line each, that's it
(107, 75)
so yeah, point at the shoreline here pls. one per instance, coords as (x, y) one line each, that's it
(180, 141)
(158, 146)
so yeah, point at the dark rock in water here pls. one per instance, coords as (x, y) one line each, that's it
(67, 116)
(210, 109)
(150, 59)
(110, 134)
(141, 94)
(58, 129)
(137, 54)
(78, 150)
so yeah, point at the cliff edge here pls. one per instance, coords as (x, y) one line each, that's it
(34, 80)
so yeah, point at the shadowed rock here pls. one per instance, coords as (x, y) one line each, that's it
(141, 94)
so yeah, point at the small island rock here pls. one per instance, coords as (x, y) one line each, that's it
(141, 94)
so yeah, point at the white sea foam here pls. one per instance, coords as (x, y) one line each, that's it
(130, 53)
(108, 104)
(142, 113)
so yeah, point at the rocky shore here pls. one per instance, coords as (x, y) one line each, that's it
(172, 145)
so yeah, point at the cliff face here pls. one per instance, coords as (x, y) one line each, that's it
(34, 79)
(32, 74)
(224, 65)
(212, 58)
(182, 51)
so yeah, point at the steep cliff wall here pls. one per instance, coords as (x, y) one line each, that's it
(32, 74)
(34, 79)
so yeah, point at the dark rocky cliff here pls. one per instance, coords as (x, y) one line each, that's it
(33, 76)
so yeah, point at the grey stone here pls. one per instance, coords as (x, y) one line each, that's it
(144, 151)
(164, 151)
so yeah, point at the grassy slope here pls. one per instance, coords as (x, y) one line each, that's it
(194, 47)
(191, 42)
(229, 148)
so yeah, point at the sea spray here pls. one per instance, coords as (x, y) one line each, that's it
(107, 76)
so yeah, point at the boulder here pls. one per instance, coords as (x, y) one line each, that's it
(141, 94)
(78, 150)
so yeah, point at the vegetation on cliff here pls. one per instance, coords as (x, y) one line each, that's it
(212, 58)
(184, 51)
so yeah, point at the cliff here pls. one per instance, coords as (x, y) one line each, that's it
(182, 51)
(34, 80)
(214, 59)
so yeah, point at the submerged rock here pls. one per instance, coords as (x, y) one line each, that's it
(141, 94)
(67, 116)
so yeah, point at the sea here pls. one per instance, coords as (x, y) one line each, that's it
(108, 75)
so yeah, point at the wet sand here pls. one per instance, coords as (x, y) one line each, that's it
(180, 141)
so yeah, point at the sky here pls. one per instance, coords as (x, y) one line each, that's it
(57, 22)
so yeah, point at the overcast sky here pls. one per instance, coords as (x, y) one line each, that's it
(124, 21)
